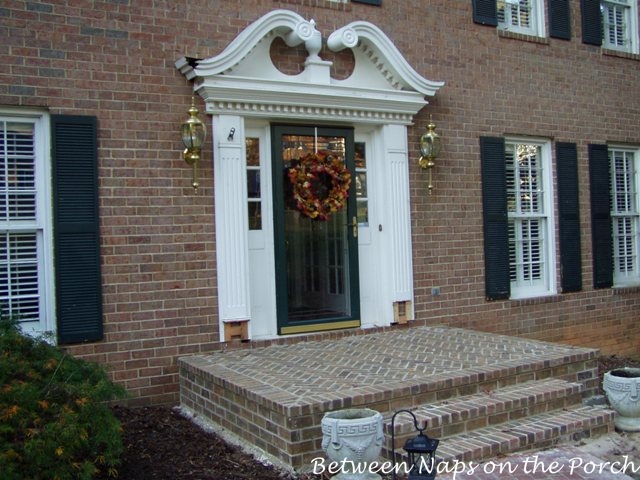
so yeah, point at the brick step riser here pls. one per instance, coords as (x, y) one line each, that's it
(507, 448)
(463, 416)
(450, 429)
(493, 381)
(493, 443)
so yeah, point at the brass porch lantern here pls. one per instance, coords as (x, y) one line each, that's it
(430, 146)
(193, 136)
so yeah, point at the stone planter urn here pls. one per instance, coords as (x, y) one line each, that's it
(353, 437)
(622, 387)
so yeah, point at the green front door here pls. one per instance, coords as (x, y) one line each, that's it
(315, 228)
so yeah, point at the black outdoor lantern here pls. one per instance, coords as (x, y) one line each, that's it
(420, 450)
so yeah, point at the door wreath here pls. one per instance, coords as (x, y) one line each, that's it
(320, 185)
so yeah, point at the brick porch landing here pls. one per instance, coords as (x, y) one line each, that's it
(482, 394)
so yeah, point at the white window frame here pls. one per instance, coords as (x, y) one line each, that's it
(536, 25)
(625, 214)
(522, 285)
(629, 25)
(42, 225)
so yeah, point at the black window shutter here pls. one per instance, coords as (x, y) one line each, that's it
(370, 2)
(560, 19)
(602, 243)
(591, 22)
(495, 220)
(76, 228)
(485, 12)
(569, 213)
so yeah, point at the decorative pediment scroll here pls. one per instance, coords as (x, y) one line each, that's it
(383, 87)
(375, 53)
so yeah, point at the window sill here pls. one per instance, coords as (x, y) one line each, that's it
(523, 37)
(330, 4)
(625, 289)
(544, 298)
(617, 53)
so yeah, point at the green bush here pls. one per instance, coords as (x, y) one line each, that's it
(54, 419)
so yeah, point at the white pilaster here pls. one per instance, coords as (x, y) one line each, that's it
(231, 218)
(398, 254)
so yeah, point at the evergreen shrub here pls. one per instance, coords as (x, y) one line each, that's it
(55, 422)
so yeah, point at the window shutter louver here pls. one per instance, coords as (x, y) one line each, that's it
(76, 228)
(495, 220)
(591, 22)
(602, 243)
(569, 212)
(485, 12)
(560, 19)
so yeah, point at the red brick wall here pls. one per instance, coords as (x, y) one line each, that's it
(499, 85)
(116, 60)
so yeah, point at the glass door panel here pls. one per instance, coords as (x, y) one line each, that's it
(316, 244)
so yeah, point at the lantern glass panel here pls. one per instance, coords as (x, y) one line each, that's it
(192, 135)
(430, 145)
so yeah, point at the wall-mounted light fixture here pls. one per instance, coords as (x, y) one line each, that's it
(430, 146)
(193, 136)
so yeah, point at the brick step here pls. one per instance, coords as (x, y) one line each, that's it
(539, 431)
(469, 412)
(275, 397)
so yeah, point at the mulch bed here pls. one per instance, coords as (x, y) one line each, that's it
(161, 444)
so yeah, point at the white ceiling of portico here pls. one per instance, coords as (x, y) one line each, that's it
(242, 79)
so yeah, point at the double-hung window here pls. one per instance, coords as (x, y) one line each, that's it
(528, 219)
(518, 16)
(619, 25)
(25, 225)
(625, 215)
(517, 202)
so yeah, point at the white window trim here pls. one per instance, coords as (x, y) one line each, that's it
(548, 284)
(43, 223)
(621, 279)
(537, 28)
(632, 26)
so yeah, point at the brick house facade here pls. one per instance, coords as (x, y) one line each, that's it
(531, 104)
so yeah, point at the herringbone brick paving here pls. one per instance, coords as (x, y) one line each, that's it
(314, 370)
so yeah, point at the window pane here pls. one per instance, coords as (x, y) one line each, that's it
(525, 251)
(253, 151)
(253, 183)
(17, 172)
(362, 202)
(254, 193)
(524, 179)
(516, 14)
(19, 294)
(624, 244)
(255, 216)
(623, 188)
